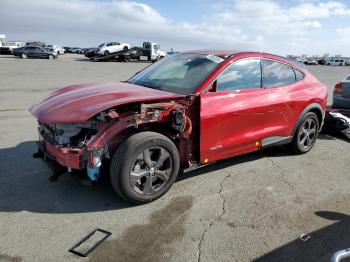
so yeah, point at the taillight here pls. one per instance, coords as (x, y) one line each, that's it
(338, 88)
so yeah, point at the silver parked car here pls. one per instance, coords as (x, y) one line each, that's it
(341, 94)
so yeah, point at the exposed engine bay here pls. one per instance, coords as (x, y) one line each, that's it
(68, 134)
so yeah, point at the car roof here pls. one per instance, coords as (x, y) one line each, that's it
(229, 53)
(219, 53)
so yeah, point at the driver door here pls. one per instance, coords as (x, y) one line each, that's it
(231, 118)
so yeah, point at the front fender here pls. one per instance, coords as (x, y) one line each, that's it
(108, 133)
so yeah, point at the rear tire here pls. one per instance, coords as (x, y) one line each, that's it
(51, 57)
(106, 52)
(125, 49)
(306, 134)
(144, 167)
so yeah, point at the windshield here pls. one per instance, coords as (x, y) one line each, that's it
(101, 45)
(181, 73)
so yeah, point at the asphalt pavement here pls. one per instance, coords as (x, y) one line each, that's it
(252, 207)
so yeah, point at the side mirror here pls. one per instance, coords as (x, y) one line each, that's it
(212, 87)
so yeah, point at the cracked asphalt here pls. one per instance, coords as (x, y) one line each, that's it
(252, 207)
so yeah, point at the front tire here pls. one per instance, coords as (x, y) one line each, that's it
(106, 52)
(306, 134)
(144, 167)
(51, 57)
(24, 56)
(125, 49)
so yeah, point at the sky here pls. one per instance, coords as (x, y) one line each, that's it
(281, 27)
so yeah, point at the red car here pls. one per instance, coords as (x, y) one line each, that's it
(187, 110)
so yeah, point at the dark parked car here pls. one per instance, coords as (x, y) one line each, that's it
(91, 52)
(321, 61)
(68, 49)
(34, 51)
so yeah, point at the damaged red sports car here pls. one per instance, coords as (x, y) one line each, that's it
(184, 111)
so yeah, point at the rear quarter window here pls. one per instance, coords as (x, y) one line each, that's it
(277, 74)
(298, 75)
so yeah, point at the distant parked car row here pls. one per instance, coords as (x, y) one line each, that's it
(310, 61)
(74, 50)
(323, 61)
(107, 51)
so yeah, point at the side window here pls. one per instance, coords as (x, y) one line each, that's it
(298, 75)
(244, 74)
(277, 74)
(116, 43)
(109, 44)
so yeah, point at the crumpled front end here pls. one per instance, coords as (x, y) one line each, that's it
(68, 145)
(85, 146)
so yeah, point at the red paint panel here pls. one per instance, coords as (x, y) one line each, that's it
(65, 156)
(230, 122)
(233, 121)
(76, 104)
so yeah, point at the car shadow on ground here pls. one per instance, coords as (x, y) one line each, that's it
(333, 136)
(268, 152)
(25, 185)
(322, 244)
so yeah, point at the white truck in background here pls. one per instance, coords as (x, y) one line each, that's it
(7, 47)
(337, 61)
(152, 51)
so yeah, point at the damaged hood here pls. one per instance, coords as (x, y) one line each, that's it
(78, 103)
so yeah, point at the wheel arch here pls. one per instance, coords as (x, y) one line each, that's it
(116, 136)
(315, 108)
